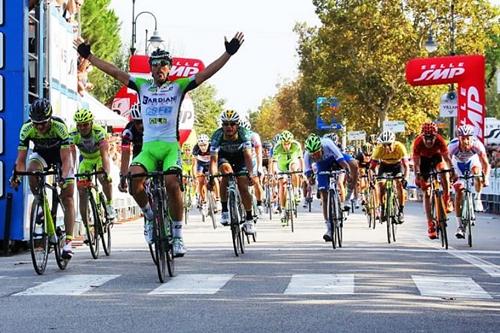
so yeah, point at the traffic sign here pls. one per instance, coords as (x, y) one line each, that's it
(396, 126)
(356, 135)
(448, 106)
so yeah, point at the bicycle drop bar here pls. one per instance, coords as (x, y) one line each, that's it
(153, 173)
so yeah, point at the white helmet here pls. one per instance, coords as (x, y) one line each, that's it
(245, 123)
(135, 112)
(386, 137)
(230, 115)
(203, 139)
(465, 130)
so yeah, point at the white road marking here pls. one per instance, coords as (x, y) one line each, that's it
(449, 287)
(68, 285)
(317, 248)
(492, 269)
(321, 284)
(194, 284)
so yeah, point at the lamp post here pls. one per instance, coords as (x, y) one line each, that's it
(431, 46)
(154, 40)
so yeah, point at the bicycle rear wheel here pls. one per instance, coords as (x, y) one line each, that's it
(39, 239)
(106, 225)
(92, 227)
(211, 208)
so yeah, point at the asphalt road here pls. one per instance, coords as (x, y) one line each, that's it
(286, 282)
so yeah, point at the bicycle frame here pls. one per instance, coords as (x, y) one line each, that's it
(468, 210)
(390, 205)
(438, 210)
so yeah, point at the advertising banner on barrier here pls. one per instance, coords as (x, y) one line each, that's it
(465, 70)
(181, 67)
(396, 126)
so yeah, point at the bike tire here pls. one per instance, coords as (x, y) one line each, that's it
(105, 230)
(388, 221)
(331, 217)
(339, 224)
(441, 221)
(211, 208)
(470, 210)
(92, 229)
(39, 245)
(58, 248)
(290, 201)
(158, 240)
(373, 209)
(235, 223)
(394, 222)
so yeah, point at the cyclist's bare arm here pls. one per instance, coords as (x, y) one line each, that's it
(109, 69)
(406, 167)
(104, 149)
(213, 164)
(416, 164)
(483, 159)
(258, 152)
(247, 154)
(125, 159)
(67, 161)
(21, 160)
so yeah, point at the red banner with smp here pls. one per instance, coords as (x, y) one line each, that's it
(465, 70)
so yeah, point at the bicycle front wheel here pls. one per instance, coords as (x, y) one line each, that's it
(290, 201)
(105, 227)
(39, 239)
(92, 227)
(236, 234)
(441, 219)
(211, 208)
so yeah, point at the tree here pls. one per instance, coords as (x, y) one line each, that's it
(207, 109)
(100, 27)
(359, 54)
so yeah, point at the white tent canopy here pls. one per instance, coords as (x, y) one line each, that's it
(102, 114)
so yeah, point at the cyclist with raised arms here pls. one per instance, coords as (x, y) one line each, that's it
(201, 166)
(468, 154)
(92, 142)
(50, 138)
(288, 156)
(327, 157)
(391, 158)
(231, 152)
(430, 152)
(256, 161)
(131, 135)
(160, 105)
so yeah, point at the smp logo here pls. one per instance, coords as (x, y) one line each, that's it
(441, 72)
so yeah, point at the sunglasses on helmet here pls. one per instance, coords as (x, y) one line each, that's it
(160, 62)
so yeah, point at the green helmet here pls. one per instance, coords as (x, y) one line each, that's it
(286, 136)
(313, 143)
(83, 116)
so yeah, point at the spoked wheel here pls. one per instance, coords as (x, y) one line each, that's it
(92, 228)
(58, 249)
(389, 228)
(160, 253)
(332, 213)
(105, 226)
(211, 209)
(236, 232)
(39, 239)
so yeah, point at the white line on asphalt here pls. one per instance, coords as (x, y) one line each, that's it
(68, 285)
(315, 248)
(492, 269)
(194, 284)
(449, 287)
(321, 284)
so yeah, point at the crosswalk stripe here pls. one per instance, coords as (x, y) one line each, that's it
(449, 287)
(69, 285)
(492, 269)
(320, 284)
(193, 284)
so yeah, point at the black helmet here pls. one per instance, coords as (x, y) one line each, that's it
(40, 110)
(159, 55)
(267, 145)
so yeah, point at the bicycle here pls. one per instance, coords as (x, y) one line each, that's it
(236, 213)
(391, 206)
(161, 249)
(268, 201)
(187, 196)
(335, 211)
(290, 203)
(211, 207)
(438, 207)
(98, 224)
(308, 197)
(44, 232)
(369, 202)
(468, 209)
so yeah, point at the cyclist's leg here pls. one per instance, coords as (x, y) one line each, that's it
(478, 183)
(35, 163)
(82, 184)
(224, 168)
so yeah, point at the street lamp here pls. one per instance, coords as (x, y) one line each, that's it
(155, 41)
(431, 46)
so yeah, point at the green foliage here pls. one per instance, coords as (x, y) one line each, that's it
(359, 54)
(207, 109)
(100, 27)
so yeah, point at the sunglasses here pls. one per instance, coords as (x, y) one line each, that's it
(87, 124)
(40, 123)
(429, 137)
(160, 62)
(229, 123)
(387, 144)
